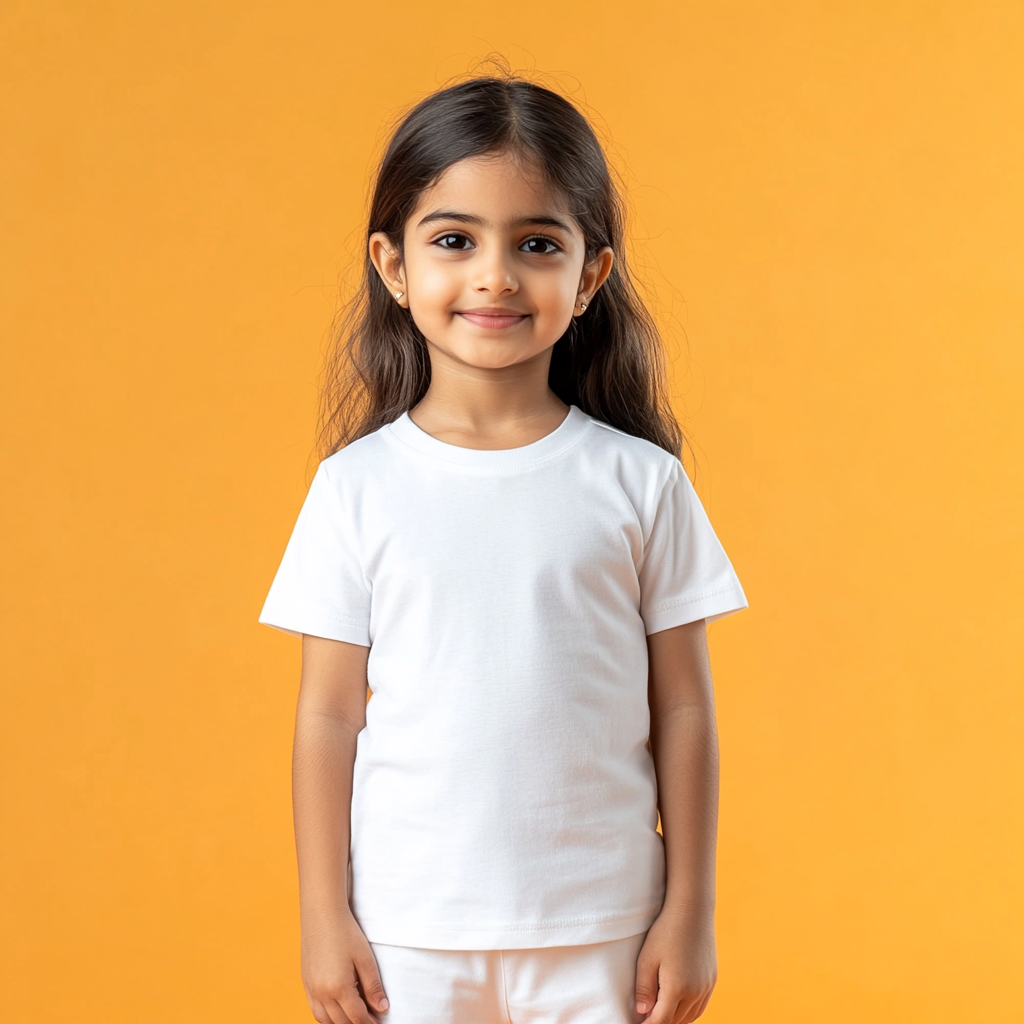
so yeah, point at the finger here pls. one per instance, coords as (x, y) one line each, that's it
(666, 1010)
(337, 1014)
(687, 1011)
(355, 1008)
(369, 981)
(320, 1014)
(702, 1005)
(646, 984)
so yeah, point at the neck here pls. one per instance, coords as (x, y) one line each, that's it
(488, 408)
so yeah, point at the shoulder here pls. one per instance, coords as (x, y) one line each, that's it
(347, 476)
(357, 459)
(642, 470)
(643, 455)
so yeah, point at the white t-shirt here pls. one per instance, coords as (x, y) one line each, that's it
(504, 796)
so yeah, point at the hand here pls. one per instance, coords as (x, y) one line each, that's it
(339, 970)
(677, 967)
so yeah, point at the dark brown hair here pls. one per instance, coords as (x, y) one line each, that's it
(609, 362)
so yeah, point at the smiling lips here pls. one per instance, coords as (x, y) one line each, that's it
(492, 317)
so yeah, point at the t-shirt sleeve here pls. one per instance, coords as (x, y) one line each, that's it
(320, 588)
(686, 574)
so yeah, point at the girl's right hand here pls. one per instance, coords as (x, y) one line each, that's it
(340, 972)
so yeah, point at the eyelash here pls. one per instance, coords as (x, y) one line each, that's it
(542, 238)
(555, 247)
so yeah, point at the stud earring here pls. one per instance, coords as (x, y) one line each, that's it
(398, 295)
(583, 306)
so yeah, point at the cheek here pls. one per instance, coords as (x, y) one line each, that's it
(554, 295)
(435, 285)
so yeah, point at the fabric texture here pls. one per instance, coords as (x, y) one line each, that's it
(503, 795)
(591, 984)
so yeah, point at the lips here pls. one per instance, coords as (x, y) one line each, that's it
(492, 318)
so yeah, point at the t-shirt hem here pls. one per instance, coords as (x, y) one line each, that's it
(711, 605)
(578, 932)
(295, 623)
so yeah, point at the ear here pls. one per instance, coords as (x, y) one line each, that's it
(388, 261)
(595, 273)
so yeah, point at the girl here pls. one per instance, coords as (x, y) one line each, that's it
(503, 545)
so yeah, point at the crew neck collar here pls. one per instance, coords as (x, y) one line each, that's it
(565, 434)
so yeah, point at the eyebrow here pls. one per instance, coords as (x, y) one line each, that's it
(469, 218)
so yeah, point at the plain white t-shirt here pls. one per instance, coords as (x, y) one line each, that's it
(503, 795)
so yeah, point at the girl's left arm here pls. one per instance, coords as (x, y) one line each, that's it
(677, 967)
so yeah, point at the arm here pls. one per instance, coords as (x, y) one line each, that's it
(338, 967)
(677, 967)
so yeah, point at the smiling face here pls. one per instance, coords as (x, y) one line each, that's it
(493, 267)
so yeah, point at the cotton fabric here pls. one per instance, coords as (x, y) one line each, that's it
(591, 984)
(504, 796)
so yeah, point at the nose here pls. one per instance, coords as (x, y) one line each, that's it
(494, 271)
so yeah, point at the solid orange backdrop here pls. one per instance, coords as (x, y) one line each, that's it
(829, 216)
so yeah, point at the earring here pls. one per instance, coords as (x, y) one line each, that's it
(583, 306)
(398, 295)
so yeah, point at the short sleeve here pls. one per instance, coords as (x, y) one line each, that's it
(686, 574)
(320, 588)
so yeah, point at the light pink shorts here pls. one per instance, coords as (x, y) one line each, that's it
(592, 984)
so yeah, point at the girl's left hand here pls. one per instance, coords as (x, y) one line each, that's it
(677, 967)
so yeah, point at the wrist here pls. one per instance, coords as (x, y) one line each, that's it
(321, 906)
(689, 905)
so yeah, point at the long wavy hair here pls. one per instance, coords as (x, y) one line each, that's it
(609, 362)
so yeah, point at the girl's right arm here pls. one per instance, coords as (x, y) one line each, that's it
(338, 966)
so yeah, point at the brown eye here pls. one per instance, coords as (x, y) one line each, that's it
(454, 241)
(539, 246)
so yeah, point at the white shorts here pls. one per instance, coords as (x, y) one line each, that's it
(591, 984)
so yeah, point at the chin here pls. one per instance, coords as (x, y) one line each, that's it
(501, 360)
(492, 355)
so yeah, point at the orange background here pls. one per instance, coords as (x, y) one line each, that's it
(829, 204)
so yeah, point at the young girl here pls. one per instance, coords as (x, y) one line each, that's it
(503, 545)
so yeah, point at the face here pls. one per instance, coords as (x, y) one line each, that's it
(493, 267)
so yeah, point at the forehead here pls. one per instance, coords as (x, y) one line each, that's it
(498, 188)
